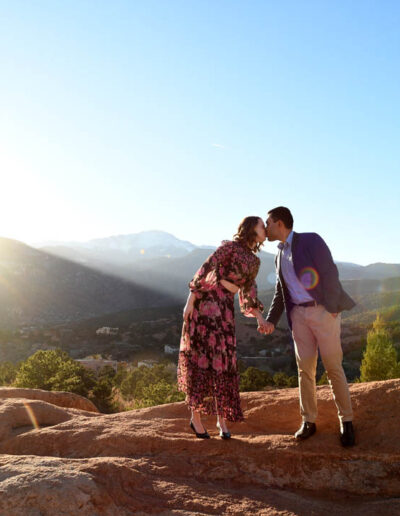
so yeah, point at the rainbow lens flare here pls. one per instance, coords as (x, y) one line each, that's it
(32, 416)
(309, 278)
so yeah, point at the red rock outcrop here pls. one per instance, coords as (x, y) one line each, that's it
(59, 398)
(148, 461)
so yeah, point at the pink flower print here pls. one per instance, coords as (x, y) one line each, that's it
(201, 329)
(228, 315)
(220, 292)
(225, 326)
(223, 345)
(212, 340)
(217, 364)
(203, 362)
(211, 309)
(229, 339)
(192, 327)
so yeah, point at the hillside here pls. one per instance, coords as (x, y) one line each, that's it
(159, 260)
(39, 288)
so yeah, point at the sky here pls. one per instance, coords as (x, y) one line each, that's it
(186, 116)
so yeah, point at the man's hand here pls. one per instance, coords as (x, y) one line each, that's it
(265, 327)
(334, 315)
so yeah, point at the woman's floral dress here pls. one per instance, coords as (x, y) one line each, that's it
(207, 369)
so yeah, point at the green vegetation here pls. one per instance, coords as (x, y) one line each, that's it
(252, 379)
(8, 372)
(54, 370)
(148, 386)
(133, 387)
(380, 357)
(113, 391)
(324, 379)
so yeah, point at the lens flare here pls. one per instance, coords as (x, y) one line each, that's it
(309, 278)
(32, 416)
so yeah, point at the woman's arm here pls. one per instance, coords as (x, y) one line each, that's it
(212, 270)
(188, 310)
(229, 286)
(250, 305)
(255, 312)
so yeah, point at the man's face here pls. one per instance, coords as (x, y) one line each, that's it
(272, 229)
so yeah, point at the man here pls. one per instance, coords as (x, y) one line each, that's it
(308, 288)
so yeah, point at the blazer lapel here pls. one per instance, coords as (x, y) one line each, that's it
(295, 240)
(278, 258)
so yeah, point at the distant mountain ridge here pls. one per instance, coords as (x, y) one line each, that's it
(63, 283)
(152, 249)
(126, 248)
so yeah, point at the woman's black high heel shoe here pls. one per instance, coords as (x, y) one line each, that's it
(204, 435)
(222, 434)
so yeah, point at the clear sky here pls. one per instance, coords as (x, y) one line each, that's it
(185, 116)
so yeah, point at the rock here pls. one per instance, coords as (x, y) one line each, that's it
(18, 416)
(148, 461)
(59, 398)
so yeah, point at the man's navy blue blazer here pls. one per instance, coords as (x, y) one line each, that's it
(311, 259)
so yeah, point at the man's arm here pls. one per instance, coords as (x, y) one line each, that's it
(277, 305)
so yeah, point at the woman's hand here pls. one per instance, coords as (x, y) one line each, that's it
(264, 326)
(188, 310)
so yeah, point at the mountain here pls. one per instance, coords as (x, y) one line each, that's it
(39, 288)
(160, 261)
(122, 249)
(63, 283)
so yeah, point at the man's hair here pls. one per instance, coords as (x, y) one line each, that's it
(283, 214)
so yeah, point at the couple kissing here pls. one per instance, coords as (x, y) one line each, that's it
(307, 288)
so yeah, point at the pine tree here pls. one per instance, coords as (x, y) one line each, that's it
(380, 358)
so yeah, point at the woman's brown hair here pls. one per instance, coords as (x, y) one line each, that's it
(246, 234)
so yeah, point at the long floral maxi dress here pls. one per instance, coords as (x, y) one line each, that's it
(207, 368)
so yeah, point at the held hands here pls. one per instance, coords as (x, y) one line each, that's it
(265, 327)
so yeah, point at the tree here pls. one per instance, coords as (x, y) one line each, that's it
(158, 394)
(8, 372)
(254, 379)
(148, 386)
(380, 358)
(102, 395)
(54, 370)
(293, 381)
(281, 379)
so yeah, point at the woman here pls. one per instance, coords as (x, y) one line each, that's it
(207, 369)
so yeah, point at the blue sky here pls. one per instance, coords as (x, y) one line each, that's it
(186, 116)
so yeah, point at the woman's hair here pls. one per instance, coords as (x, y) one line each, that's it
(246, 234)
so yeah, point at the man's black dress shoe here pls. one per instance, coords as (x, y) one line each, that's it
(347, 434)
(306, 430)
(222, 434)
(204, 435)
